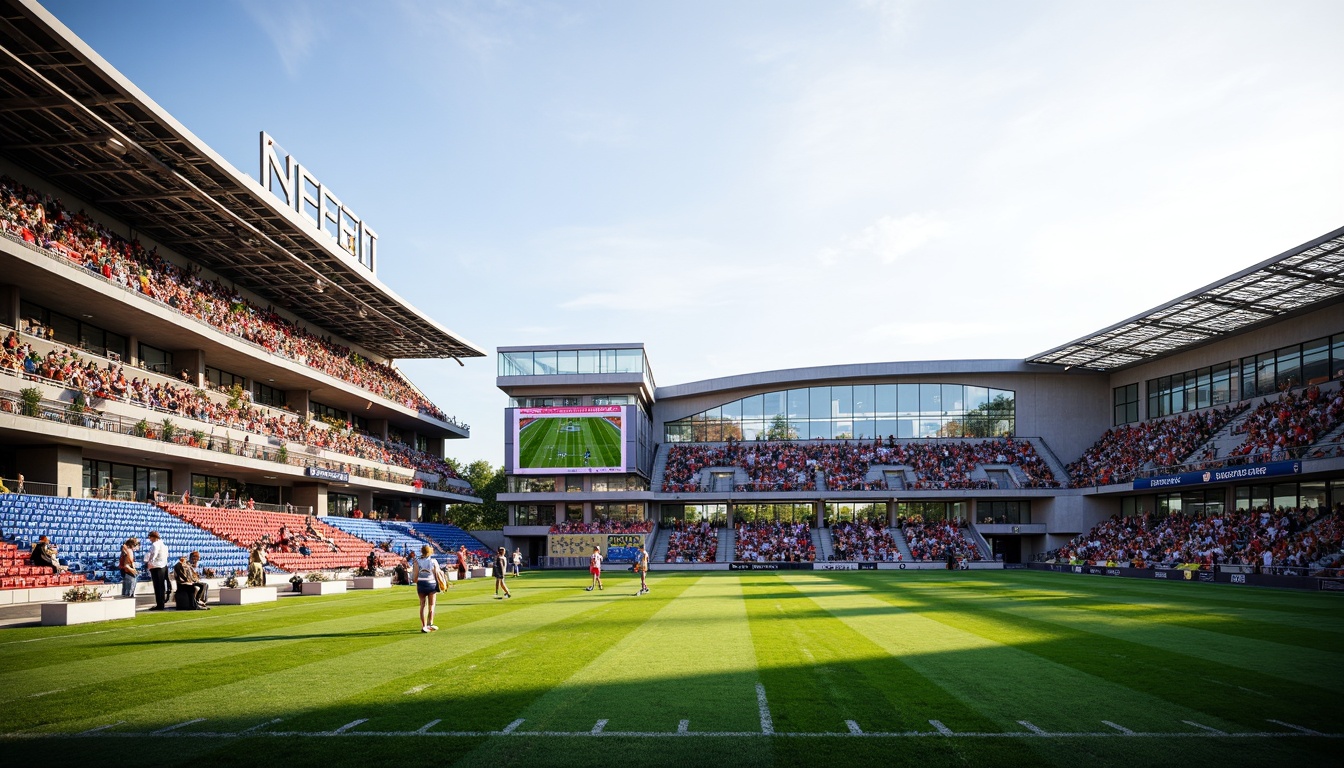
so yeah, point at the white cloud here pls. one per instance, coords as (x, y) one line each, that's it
(890, 238)
(295, 29)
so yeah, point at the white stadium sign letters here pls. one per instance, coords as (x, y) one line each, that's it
(291, 183)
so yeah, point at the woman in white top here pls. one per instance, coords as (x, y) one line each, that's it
(427, 575)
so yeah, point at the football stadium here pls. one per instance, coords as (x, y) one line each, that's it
(1125, 549)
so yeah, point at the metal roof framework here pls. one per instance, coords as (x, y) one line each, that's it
(69, 117)
(1298, 280)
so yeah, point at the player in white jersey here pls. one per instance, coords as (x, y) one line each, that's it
(595, 568)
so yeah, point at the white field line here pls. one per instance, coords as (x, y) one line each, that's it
(597, 729)
(44, 693)
(416, 689)
(945, 733)
(854, 729)
(428, 725)
(1119, 728)
(1031, 728)
(684, 726)
(1205, 728)
(942, 729)
(171, 728)
(259, 726)
(1307, 731)
(511, 727)
(349, 725)
(92, 731)
(767, 722)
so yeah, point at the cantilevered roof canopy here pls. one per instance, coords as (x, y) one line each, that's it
(1299, 280)
(71, 118)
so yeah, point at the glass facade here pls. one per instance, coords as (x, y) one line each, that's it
(1191, 390)
(774, 513)
(1004, 512)
(849, 511)
(1315, 362)
(1126, 402)
(854, 412)
(535, 514)
(571, 361)
(127, 479)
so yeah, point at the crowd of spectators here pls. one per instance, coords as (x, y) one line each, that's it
(866, 540)
(770, 466)
(934, 541)
(1293, 419)
(774, 542)
(692, 542)
(109, 382)
(603, 525)
(1296, 537)
(791, 466)
(43, 221)
(1123, 451)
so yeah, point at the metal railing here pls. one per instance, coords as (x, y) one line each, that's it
(1296, 453)
(165, 431)
(15, 485)
(65, 260)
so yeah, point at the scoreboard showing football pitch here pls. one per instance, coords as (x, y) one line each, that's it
(569, 440)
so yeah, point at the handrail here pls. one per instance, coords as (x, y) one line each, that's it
(65, 260)
(166, 412)
(1294, 453)
(62, 413)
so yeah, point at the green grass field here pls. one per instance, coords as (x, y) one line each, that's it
(794, 668)
(548, 444)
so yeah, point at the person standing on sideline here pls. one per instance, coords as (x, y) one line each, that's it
(427, 576)
(462, 563)
(130, 572)
(642, 568)
(595, 568)
(517, 562)
(156, 561)
(498, 569)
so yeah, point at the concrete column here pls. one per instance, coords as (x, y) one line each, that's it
(971, 512)
(191, 359)
(891, 513)
(819, 508)
(9, 305)
(60, 465)
(364, 498)
(310, 495)
(378, 428)
(297, 401)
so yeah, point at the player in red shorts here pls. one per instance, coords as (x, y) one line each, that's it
(595, 568)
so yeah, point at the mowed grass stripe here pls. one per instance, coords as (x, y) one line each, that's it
(478, 677)
(136, 645)
(1257, 656)
(199, 661)
(1320, 610)
(1182, 677)
(991, 674)
(1187, 605)
(688, 659)
(819, 672)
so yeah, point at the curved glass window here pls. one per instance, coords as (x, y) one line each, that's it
(854, 412)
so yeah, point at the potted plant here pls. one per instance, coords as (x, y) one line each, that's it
(282, 454)
(32, 399)
(83, 604)
(169, 429)
(319, 583)
(76, 409)
(142, 428)
(231, 592)
(197, 438)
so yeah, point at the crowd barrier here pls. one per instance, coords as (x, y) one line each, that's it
(1242, 575)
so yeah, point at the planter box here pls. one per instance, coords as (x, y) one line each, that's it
(478, 573)
(324, 587)
(246, 595)
(64, 614)
(373, 582)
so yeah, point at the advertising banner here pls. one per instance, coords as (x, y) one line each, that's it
(770, 566)
(1248, 472)
(575, 544)
(623, 547)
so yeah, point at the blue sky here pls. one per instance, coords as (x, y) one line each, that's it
(748, 186)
